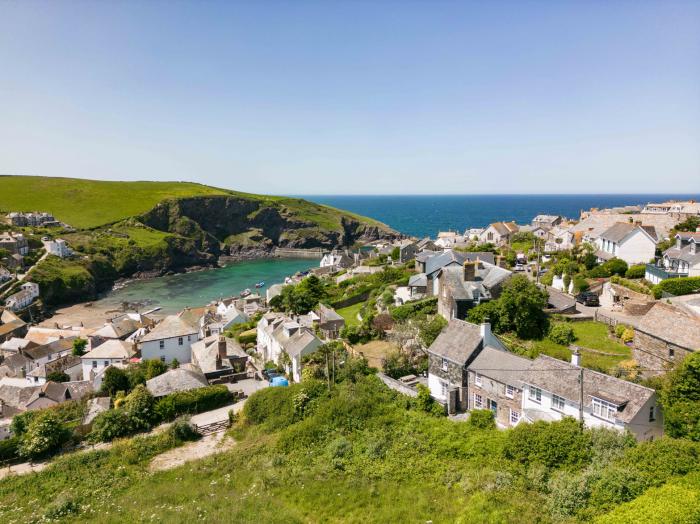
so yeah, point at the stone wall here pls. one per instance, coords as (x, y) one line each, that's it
(455, 374)
(495, 390)
(655, 354)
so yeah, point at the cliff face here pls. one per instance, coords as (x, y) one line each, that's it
(234, 224)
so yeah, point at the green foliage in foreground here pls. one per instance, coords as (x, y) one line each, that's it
(677, 286)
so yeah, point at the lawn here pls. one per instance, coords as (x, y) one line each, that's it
(350, 314)
(589, 335)
(375, 351)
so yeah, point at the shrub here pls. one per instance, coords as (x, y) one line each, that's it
(637, 271)
(619, 330)
(44, 435)
(9, 449)
(111, 424)
(580, 283)
(115, 380)
(57, 376)
(274, 406)
(397, 364)
(562, 333)
(551, 444)
(430, 330)
(183, 431)
(661, 459)
(193, 401)
(481, 419)
(248, 338)
(677, 286)
(427, 306)
(139, 404)
(627, 335)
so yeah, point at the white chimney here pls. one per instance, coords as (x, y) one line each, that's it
(576, 357)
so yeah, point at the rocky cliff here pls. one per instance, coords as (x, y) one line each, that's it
(235, 224)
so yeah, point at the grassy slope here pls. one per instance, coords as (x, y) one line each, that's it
(91, 203)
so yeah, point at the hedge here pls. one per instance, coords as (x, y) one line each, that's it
(193, 401)
(427, 306)
(9, 449)
(677, 286)
(637, 271)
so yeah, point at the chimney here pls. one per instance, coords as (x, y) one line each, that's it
(222, 347)
(501, 261)
(576, 357)
(485, 328)
(469, 271)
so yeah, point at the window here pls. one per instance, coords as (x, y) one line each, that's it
(671, 352)
(444, 364)
(106, 363)
(179, 341)
(652, 413)
(510, 391)
(604, 409)
(94, 364)
(514, 416)
(477, 379)
(161, 344)
(162, 359)
(478, 401)
(188, 338)
(535, 394)
(493, 406)
(443, 388)
(558, 403)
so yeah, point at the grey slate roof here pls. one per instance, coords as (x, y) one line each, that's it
(457, 342)
(172, 326)
(621, 230)
(673, 325)
(503, 366)
(561, 378)
(486, 278)
(57, 346)
(180, 379)
(440, 260)
(419, 280)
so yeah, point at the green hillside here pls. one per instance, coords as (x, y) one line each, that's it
(90, 203)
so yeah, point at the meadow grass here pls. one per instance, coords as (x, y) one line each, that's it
(350, 314)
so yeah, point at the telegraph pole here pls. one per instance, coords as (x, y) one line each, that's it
(580, 396)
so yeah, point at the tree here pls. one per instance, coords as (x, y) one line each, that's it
(395, 254)
(115, 379)
(79, 345)
(44, 434)
(111, 424)
(57, 376)
(154, 367)
(680, 398)
(139, 404)
(430, 330)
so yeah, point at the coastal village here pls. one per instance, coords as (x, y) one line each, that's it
(619, 292)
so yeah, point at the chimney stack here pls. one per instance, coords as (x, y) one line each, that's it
(501, 261)
(470, 271)
(576, 357)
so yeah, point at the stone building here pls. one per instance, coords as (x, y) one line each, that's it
(664, 336)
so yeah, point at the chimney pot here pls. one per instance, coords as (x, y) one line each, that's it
(470, 271)
(576, 357)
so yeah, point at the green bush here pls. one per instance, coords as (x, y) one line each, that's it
(192, 401)
(9, 449)
(551, 444)
(183, 431)
(580, 283)
(562, 333)
(111, 424)
(427, 306)
(481, 419)
(637, 271)
(140, 404)
(619, 330)
(273, 406)
(248, 338)
(677, 286)
(44, 435)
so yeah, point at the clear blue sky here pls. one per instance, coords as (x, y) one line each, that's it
(294, 97)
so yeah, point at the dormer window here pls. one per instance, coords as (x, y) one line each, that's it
(604, 409)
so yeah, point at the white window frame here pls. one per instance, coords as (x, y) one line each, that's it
(444, 364)
(444, 388)
(477, 379)
(558, 403)
(492, 405)
(510, 391)
(535, 394)
(514, 416)
(478, 401)
(604, 409)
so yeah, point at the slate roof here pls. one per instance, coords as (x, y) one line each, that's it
(172, 326)
(419, 280)
(684, 252)
(457, 342)
(328, 314)
(505, 228)
(15, 344)
(486, 278)
(17, 396)
(503, 366)
(440, 260)
(673, 325)
(112, 348)
(561, 378)
(205, 352)
(52, 348)
(621, 230)
(559, 301)
(180, 379)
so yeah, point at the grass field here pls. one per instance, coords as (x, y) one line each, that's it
(91, 203)
(350, 314)
(589, 335)
(375, 351)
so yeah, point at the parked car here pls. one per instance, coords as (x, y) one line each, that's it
(588, 299)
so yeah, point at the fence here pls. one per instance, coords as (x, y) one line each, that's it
(214, 427)
(605, 319)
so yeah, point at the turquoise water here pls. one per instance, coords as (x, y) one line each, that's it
(173, 293)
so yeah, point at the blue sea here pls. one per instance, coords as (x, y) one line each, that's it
(423, 216)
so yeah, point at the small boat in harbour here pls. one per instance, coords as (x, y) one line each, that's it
(260, 284)
(245, 293)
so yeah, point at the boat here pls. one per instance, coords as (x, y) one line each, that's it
(260, 284)
(245, 293)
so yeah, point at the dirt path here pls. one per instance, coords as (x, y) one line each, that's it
(208, 445)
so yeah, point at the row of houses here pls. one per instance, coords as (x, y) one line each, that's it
(470, 368)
